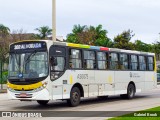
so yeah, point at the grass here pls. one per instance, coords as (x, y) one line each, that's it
(132, 117)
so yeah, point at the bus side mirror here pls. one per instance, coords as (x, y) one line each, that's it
(53, 61)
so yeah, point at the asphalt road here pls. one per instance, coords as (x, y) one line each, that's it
(142, 101)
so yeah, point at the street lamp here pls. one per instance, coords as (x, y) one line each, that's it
(54, 20)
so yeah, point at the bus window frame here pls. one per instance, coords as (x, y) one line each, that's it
(128, 61)
(106, 61)
(134, 62)
(145, 57)
(109, 60)
(95, 52)
(68, 62)
(65, 64)
(150, 63)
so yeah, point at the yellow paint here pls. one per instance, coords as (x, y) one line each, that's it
(73, 45)
(110, 79)
(71, 79)
(85, 46)
(24, 87)
(155, 66)
(153, 78)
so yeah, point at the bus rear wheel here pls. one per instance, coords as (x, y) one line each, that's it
(130, 92)
(42, 102)
(75, 97)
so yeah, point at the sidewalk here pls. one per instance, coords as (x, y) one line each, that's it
(3, 96)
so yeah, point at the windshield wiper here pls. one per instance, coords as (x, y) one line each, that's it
(28, 59)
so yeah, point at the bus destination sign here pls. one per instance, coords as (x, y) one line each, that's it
(28, 46)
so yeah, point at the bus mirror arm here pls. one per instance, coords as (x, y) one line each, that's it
(53, 61)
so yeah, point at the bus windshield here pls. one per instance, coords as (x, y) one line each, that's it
(28, 65)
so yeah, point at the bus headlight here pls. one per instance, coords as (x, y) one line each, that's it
(44, 84)
(42, 87)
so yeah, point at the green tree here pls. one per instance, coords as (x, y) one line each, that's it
(156, 47)
(122, 40)
(4, 31)
(43, 32)
(4, 44)
(73, 37)
(141, 46)
(89, 35)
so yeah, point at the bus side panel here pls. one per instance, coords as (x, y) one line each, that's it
(122, 78)
(105, 81)
(138, 77)
(93, 90)
(149, 80)
(86, 90)
(61, 87)
(57, 91)
(86, 78)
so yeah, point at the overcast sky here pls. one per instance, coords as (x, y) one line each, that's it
(141, 16)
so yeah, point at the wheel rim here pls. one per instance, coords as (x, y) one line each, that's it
(131, 91)
(75, 97)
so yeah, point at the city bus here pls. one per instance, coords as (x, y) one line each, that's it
(44, 70)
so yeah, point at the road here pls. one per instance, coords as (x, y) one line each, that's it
(142, 101)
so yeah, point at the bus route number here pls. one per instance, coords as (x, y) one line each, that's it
(82, 76)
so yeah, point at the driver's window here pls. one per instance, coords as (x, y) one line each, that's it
(60, 64)
(57, 61)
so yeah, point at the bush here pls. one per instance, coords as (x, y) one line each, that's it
(4, 77)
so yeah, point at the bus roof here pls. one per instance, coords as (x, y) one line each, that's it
(101, 48)
(90, 47)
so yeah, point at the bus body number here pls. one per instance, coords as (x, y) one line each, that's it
(82, 76)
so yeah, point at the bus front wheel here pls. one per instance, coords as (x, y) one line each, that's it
(75, 97)
(43, 102)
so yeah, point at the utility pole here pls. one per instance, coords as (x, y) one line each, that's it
(1, 74)
(54, 20)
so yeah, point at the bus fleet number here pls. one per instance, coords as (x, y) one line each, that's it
(82, 76)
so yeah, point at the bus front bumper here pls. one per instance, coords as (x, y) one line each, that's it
(28, 95)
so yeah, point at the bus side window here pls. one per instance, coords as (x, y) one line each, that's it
(150, 63)
(134, 62)
(102, 60)
(89, 60)
(123, 61)
(142, 63)
(113, 61)
(75, 60)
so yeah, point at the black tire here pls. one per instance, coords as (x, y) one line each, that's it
(123, 96)
(42, 102)
(75, 97)
(102, 97)
(130, 92)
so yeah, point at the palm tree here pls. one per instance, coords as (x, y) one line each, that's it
(4, 31)
(78, 29)
(44, 32)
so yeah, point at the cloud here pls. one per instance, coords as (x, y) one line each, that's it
(141, 16)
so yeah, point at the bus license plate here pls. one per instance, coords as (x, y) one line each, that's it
(23, 95)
